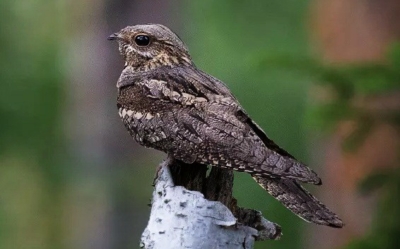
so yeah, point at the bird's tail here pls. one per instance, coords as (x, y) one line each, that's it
(298, 200)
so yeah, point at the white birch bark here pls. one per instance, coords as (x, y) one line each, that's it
(185, 219)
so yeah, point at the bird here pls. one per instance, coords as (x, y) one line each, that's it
(168, 104)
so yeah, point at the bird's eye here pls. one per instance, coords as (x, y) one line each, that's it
(142, 40)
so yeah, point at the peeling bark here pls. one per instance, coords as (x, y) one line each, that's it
(193, 210)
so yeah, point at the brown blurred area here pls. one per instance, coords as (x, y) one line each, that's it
(347, 33)
(355, 31)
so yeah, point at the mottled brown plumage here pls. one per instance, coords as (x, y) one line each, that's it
(168, 104)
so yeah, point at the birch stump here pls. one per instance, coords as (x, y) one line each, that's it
(191, 209)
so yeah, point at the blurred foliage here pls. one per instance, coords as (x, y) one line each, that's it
(342, 85)
(345, 85)
(357, 81)
(30, 137)
(361, 82)
(386, 226)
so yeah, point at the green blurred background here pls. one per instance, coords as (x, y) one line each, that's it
(321, 77)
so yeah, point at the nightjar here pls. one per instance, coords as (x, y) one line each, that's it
(168, 104)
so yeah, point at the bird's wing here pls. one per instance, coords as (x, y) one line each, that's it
(203, 79)
(220, 88)
(299, 201)
(210, 127)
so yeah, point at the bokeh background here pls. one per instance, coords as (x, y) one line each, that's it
(322, 77)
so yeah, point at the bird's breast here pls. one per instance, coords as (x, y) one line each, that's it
(141, 116)
(145, 127)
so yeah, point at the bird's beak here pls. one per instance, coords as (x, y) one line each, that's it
(114, 36)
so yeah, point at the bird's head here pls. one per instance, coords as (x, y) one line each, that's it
(149, 46)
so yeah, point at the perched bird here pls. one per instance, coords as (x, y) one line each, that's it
(168, 104)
